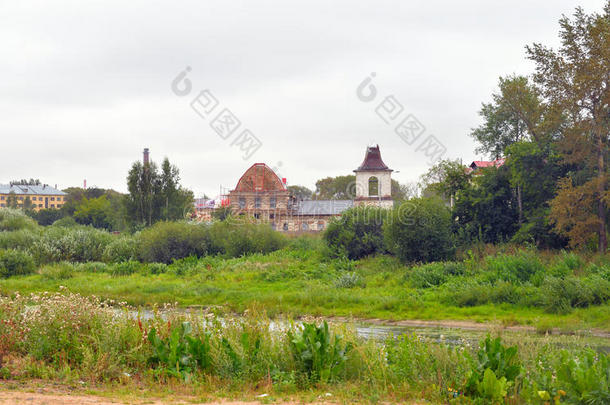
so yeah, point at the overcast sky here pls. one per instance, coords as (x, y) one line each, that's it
(86, 85)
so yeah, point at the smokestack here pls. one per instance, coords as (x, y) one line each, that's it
(85, 184)
(146, 156)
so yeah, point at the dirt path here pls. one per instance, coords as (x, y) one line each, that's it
(29, 398)
(58, 395)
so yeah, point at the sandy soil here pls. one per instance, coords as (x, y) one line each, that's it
(62, 396)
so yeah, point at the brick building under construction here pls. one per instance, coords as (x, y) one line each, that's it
(262, 195)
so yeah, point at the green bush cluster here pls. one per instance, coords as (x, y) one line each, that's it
(15, 263)
(418, 230)
(14, 219)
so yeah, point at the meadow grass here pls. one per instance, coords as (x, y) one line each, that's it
(298, 282)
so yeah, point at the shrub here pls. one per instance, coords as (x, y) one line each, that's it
(15, 262)
(168, 241)
(357, 233)
(434, 274)
(561, 295)
(57, 271)
(125, 268)
(82, 244)
(121, 249)
(14, 220)
(238, 238)
(92, 267)
(519, 267)
(348, 280)
(420, 231)
(66, 222)
(156, 268)
(22, 239)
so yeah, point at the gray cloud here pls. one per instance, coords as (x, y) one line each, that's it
(85, 85)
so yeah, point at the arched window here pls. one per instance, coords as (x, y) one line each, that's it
(373, 186)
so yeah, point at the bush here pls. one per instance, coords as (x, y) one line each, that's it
(22, 239)
(420, 231)
(57, 271)
(121, 249)
(82, 244)
(126, 268)
(434, 274)
(238, 238)
(348, 280)
(14, 220)
(561, 295)
(168, 241)
(519, 267)
(357, 233)
(15, 262)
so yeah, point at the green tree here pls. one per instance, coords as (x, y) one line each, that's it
(419, 230)
(95, 212)
(11, 200)
(300, 192)
(487, 209)
(514, 115)
(176, 202)
(335, 188)
(574, 80)
(445, 179)
(155, 196)
(357, 233)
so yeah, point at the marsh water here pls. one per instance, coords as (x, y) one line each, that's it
(450, 335)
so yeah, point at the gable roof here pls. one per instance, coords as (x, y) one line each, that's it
(20, 189)
(485, 163)
(372, 161)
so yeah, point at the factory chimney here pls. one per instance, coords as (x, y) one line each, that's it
(146, 156)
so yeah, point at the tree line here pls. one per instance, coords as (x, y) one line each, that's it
(553, 129)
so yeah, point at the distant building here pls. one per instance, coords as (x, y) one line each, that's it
(39, 196)
(476, 166)
(262, 195)
(373, 181)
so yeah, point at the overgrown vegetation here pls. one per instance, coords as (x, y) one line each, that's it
(65, 336)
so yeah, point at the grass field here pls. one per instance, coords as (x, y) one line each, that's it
(301, 281)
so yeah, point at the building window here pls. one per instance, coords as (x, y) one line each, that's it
(257, 202)
(20, 198)
(1, 197)
(373, 186)
(257, 216)
(52, 198)
(242, 203)
(272, 202)
(40, 205)
(271, 216)
(320, 226)
(1, 205)
(304, 226)
(52, 205)
(285, 226)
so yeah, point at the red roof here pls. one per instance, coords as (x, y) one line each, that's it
(484, 163)
(372, 160)
(260, 177)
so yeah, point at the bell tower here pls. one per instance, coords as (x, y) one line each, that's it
(373, 181)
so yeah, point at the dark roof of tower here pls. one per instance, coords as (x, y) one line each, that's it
(372, 160)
